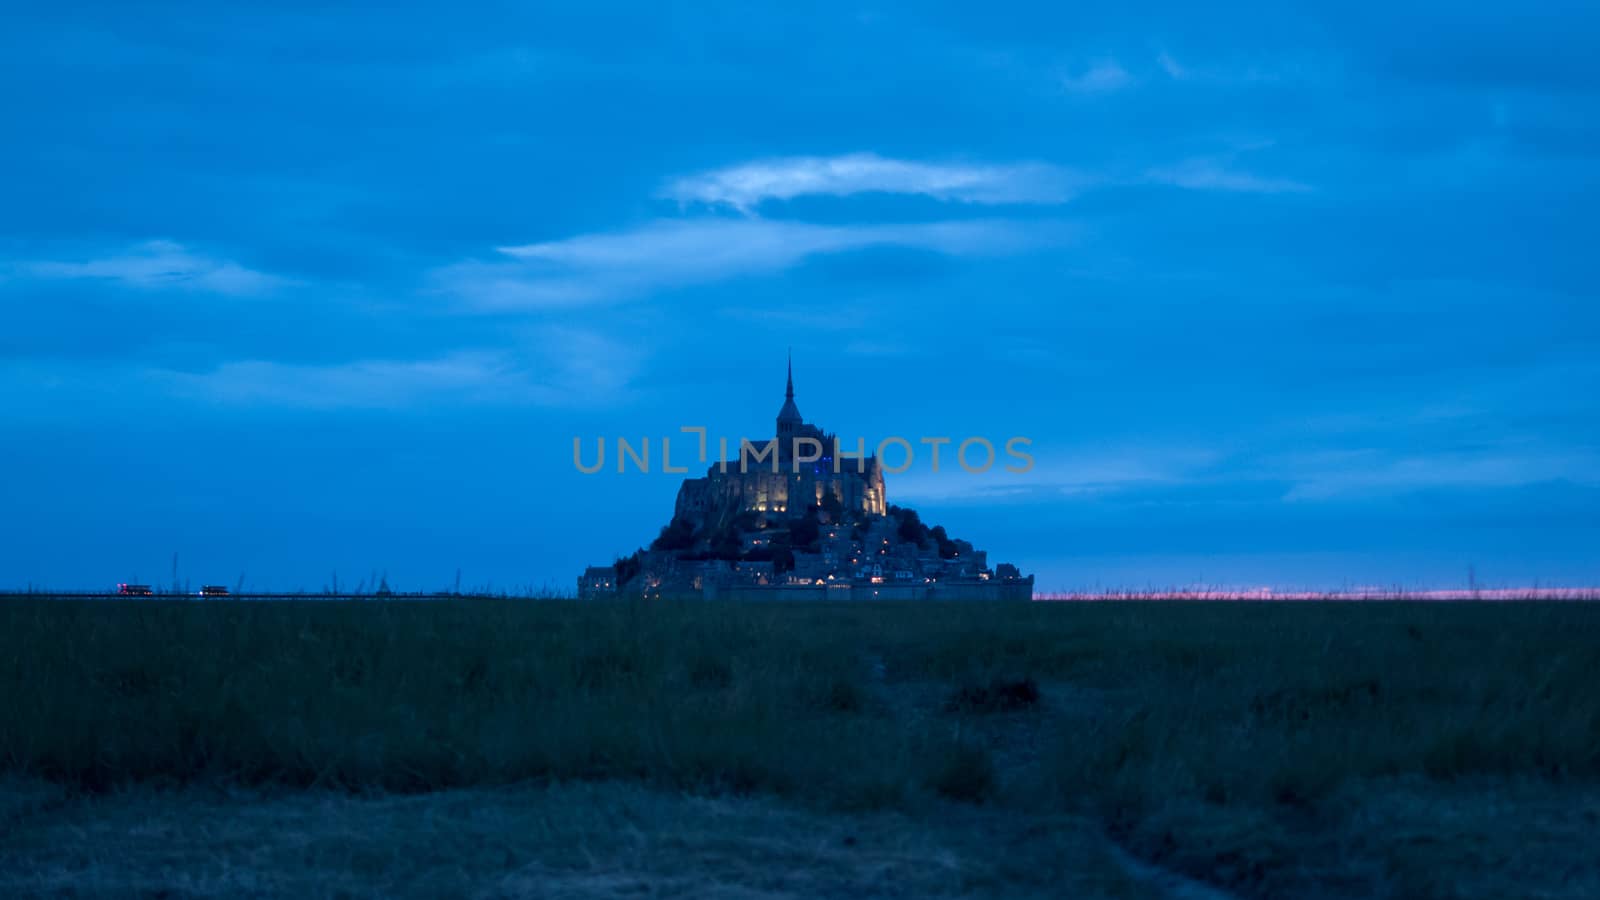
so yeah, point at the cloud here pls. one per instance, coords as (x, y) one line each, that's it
(571, 366)
(1329, 474)
(158, 265)
(673, 253)
(878, 348)
(1211, 175)
(1291, 69)
(1103, 76)
(747, 185)
(794, 319)
(1174, 69)
(1054, 475)
(375, 383)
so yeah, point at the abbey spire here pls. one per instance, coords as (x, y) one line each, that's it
(789, 416)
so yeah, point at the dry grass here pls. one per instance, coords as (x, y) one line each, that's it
(583, 840)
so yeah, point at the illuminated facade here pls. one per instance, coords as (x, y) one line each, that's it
(794, 471)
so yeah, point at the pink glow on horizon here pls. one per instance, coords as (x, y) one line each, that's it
(1526, 593)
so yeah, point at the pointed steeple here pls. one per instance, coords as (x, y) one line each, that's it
(790, 414)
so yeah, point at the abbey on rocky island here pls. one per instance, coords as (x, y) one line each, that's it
(800, 517)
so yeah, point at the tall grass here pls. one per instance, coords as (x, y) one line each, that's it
(1238, 699)
(1186, 728)
(419, 696)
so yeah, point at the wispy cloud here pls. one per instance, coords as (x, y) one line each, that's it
(1302, 70)
(674, 253)
(1213, 175)
(1101, 77)
(879, 348)
(570, 366)
(1174, 69)
(1053, 476)
(157, 265)
(747, 185)
(795, 319)
(681, 252)
(1328, 474)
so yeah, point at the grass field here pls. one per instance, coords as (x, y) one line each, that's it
(513, 748)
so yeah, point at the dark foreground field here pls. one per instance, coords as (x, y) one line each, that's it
(517, 748)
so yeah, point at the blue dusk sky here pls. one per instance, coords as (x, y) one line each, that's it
(1281, 296)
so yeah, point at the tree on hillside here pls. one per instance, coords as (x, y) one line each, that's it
(911, 529)
(627, 567)
(676, 535)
